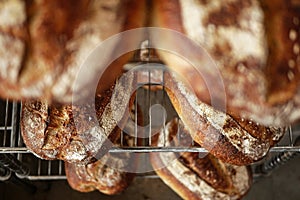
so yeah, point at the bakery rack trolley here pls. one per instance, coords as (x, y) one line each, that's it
(17, 161)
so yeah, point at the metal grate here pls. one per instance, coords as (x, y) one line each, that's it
(150, 94)
(13, 153)
(15, 157)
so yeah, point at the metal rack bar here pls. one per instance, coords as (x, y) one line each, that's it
(13, 124)
(46, 177)
(290, 136)
(145, 149)
(135, 122)
(39, 168)
(60, 168)
(5, 123)
(164, 105)
(149, 103)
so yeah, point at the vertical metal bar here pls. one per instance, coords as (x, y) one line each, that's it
(49, 167)
(150, 113)
(290, 136)
(145, 115)
(13, 133)
(5, 123)
(39, 167)
(164, 105)
(136, 119)
(178, 130)
(60, 167)
(20, 142)
(122, 138)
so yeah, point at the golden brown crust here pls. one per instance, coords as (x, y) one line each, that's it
(57, 136)
(111, 174)
(282, 71)
(214, 174)
(77, 132)
(170, 180)
(193, 177)
(255, 47)
(232, 140)
(100, 175)
(167, 8)
(74, 174)
(49, 47)
(33, 136)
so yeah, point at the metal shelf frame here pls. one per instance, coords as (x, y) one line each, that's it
(11, 142)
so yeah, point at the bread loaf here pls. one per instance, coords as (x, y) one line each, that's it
(78, 132)
(44, 45)
(110, 175)
(192, 177)
(233, 140)
(251, 47)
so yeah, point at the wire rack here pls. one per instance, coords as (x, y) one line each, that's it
(157, 111)
(15, 156)
(13, 153)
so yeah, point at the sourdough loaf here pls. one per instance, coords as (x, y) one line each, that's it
(251, 47)
(110, 175)
(77, 132)
(234, 140)
(44, 44)
(193, 177)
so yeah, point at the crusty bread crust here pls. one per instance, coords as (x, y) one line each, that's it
(192, 177)
(254, 45)
(100, 175)
(233, 140)
(77, 133)
(44, 44)
(111, 174)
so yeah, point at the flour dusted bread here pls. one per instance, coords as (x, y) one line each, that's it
(253, 45)
(77, 132)
(111, 174)
(234, 140)
(100, 175)
(45, 43)
(194, 177)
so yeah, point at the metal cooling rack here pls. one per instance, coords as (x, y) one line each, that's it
(16, 157)
(13, 153)
(26, 165)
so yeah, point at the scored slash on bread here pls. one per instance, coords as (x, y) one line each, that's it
(234, 140)
(192, 177)
(112, 173)
(77, 133)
